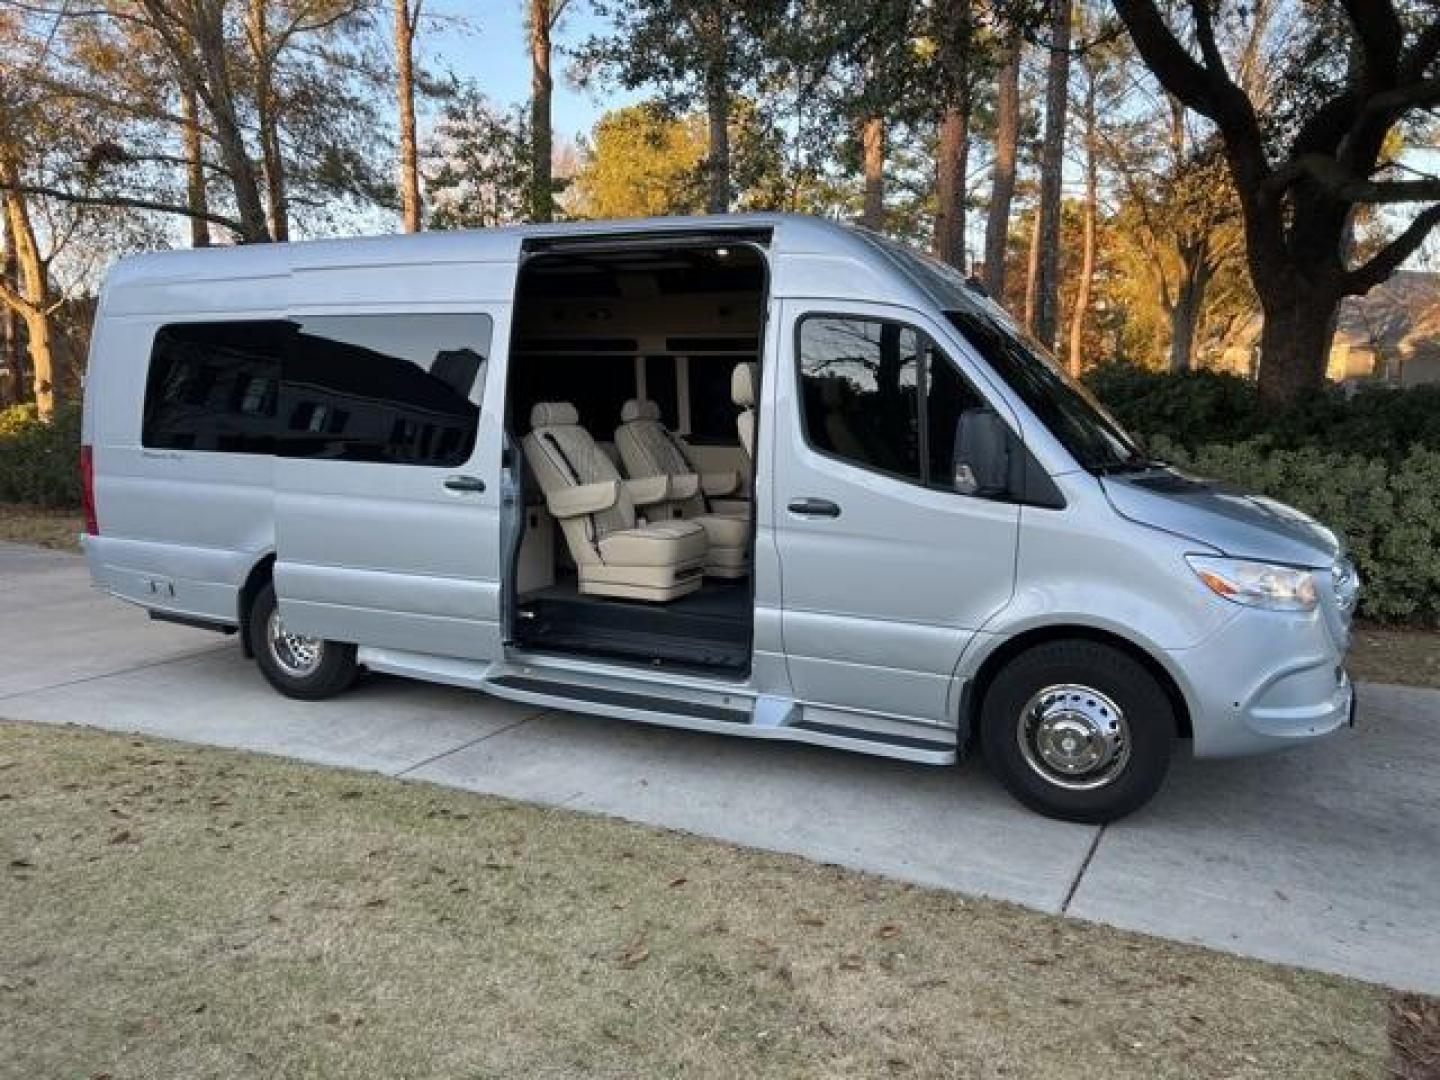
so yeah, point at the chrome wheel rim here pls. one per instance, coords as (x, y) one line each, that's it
(296, 654)
(1074, 737)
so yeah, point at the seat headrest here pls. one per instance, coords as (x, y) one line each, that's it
(639, 409)
(742, 384)
(553, 414)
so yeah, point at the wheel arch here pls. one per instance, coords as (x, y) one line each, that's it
(260, 575)
(978, 686)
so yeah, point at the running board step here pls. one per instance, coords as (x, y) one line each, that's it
(629, 700)
(878, 738)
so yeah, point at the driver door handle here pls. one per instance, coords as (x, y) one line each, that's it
(814, 508)
(465, 483)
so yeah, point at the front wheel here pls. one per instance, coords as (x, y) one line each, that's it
(298, 666)
(1078, 730)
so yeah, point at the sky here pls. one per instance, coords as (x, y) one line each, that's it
(493, 51)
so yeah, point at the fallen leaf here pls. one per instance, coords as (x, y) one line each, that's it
(634, 954)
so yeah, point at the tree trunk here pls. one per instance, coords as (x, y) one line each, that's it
(1087, 259)
(11, 388)
(32, 298)
(541, 89)
(1295, 341)
(1190, 290)
(1002, 188)
(1184, 317)
(872, 138)
(195, 197)
(266, 121)
(1052, 164)
(274, 173)
(195, 36)
(1032, 270)
(405, 24)
(717, 164)
(951, 165)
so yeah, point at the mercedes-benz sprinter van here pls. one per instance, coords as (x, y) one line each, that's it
(762, 475)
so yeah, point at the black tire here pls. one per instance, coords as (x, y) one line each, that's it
(1145, 728)
(333, 672)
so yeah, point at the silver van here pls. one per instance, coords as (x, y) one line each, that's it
(762, 475)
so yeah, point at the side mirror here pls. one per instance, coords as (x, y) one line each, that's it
(982, 453)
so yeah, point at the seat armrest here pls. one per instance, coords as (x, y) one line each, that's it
(720, 483)
(584, 499)
(731, 507)
(648, 490)
(684, 485)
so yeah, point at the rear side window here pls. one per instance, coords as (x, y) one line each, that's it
(387, 388)
(214, 386)
(662, 387)
(712, 412)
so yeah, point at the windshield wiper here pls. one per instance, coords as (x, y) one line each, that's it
(1133, 465)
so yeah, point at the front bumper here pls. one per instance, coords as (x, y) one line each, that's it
(1265, 681)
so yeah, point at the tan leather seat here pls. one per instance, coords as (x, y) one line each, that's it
(743, 382)
(648, 449)
(615, 553)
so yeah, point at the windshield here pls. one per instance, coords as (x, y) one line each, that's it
(1094, 438)
(1071, 413)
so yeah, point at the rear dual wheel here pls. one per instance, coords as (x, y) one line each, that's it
(1078, 730)
(301, 667)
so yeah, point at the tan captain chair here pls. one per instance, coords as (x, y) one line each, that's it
(648, 449)
(615, 553)
(742, 393)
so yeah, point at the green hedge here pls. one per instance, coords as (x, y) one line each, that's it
(40, 462)
(1205, 407)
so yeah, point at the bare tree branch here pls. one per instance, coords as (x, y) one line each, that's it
(1365, 277)
(128, 201)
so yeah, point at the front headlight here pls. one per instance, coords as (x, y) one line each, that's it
(1262, 585)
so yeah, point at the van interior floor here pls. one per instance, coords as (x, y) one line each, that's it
(707, 630)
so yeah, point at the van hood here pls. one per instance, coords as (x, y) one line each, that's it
(1237, 523)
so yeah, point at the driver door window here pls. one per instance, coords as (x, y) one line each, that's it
(882, 395)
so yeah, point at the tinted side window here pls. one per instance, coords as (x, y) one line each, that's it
(391, 388)
(214, 386)
(660, 387)
(859, 384)
(947, 398)
(712, 412)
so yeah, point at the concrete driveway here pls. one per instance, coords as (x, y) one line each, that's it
(1327, 857)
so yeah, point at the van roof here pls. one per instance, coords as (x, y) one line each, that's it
(828, 258)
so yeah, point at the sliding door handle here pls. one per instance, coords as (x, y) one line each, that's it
(465, 483)
(814, 508)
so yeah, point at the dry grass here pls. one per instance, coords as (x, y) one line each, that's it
(47, 528)
(1415, 1035)
(176, 911)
